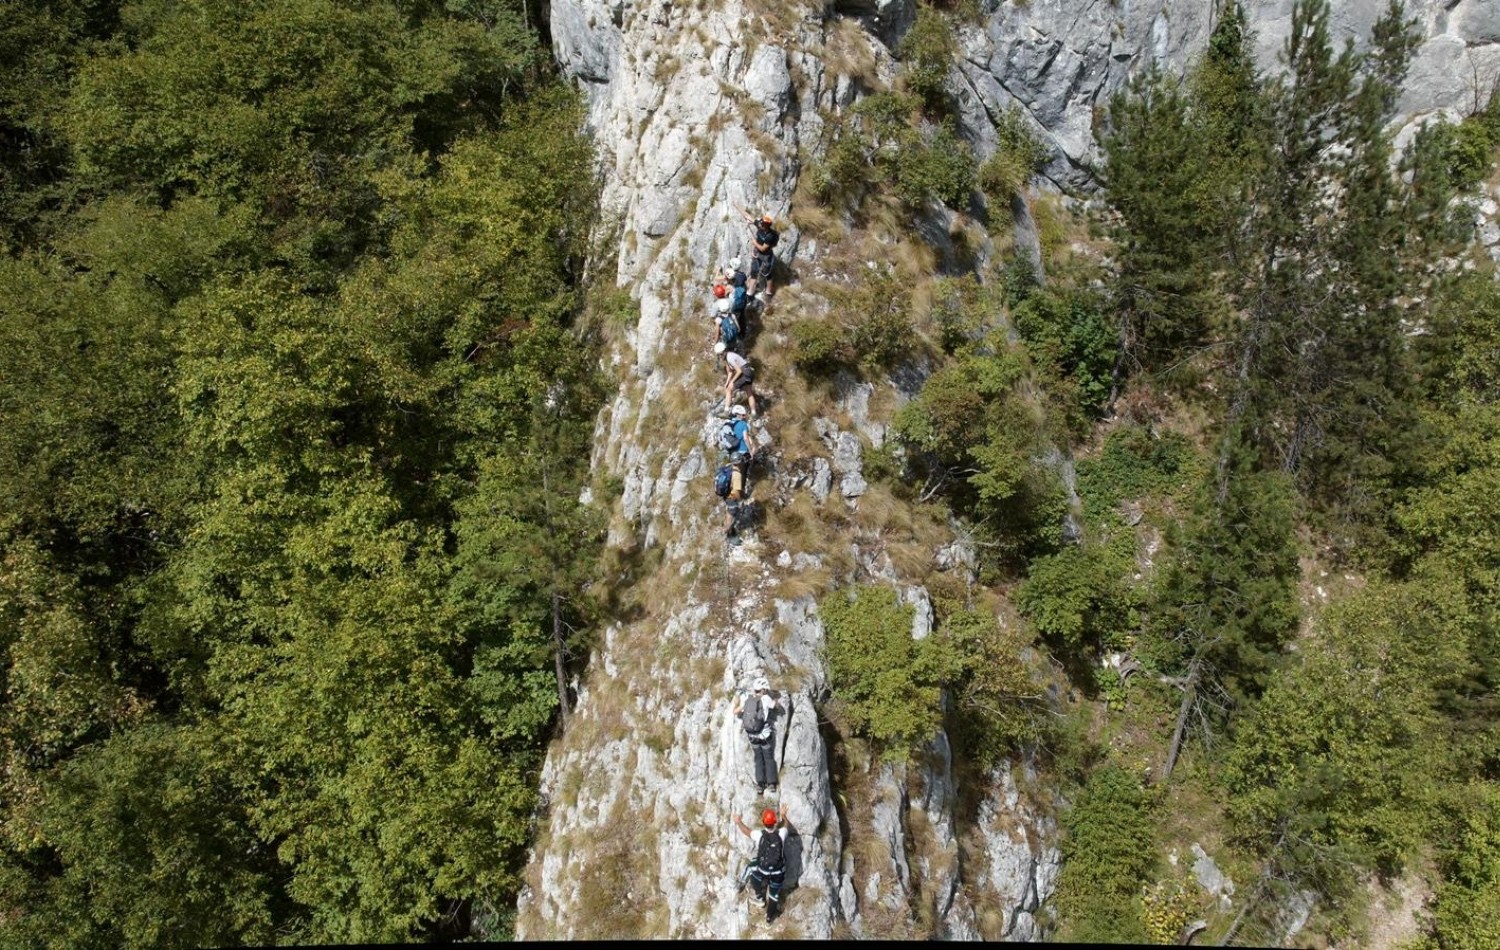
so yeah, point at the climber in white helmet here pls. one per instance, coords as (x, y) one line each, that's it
(739, 377)
(757, 715)
(738, 296)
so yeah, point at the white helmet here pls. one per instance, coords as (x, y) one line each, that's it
(724, 303)
(719, 347)
(734, 264)
(739, 410)
(761, 684)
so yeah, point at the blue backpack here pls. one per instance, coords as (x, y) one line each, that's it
(729, 330)
(723, 480)
(738, 305)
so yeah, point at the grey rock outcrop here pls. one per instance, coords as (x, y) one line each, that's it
(1059, 61)
(1206, 871)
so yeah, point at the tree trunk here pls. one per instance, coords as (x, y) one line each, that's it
(557, 660)
(1189, 693)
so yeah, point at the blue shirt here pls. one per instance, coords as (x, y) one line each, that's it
(742, 429)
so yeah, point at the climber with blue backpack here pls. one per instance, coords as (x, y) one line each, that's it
(736, 441)
(726, 327)
(729, 484)
(732, 480)
(738, 297)
(766, 872)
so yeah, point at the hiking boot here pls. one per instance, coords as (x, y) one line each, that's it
(772, 789)
(760, 789)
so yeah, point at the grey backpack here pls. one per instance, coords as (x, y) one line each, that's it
(753, 717)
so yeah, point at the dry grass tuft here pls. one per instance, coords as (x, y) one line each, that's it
(849, 51)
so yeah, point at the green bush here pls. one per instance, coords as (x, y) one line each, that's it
(1002, 175)
(1466, 150)
(1077, 596)
(958, 314)
(1135, 462)
(936, 168)
(1337, 766)
(844, 170)
(970, 434)
(996, 705)
(1018, 156)
(927, 53)
(882, 335)
(886, 685)
(1467, 906)
(1108, 853)
(882, 143)
(881, 464)
(1075, 344)
(818, 345)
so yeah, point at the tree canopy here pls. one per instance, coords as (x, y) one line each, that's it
(292, 294)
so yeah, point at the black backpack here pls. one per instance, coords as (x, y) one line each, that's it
(770, 855)
(753, 717)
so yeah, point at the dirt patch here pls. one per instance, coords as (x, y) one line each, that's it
(1396, 912)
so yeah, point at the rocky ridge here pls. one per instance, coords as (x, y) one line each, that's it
(699, 109)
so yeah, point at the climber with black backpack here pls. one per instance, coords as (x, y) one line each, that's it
(767, 870)
(739, 377)
(756, 714)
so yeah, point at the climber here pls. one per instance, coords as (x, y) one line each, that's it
(740, 455)
(729, 484)
(763, 261)
(726, 327)
(767, 870)
(735, 278)
(756, 715)
(739, 376)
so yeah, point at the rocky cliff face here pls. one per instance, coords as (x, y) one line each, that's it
(699, 108)
(1060, 60)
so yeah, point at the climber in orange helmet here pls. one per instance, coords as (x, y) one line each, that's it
(767, 870)
(763, 260)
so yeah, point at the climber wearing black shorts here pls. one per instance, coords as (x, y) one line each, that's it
(763, 259)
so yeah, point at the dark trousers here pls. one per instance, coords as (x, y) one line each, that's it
(765, 760)
(766, 883)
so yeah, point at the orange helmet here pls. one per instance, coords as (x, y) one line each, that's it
(720, 290)
(768, 818)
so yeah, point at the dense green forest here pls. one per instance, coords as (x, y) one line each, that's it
(295, 411)
(1275, 362)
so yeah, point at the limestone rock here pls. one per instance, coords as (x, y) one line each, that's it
(1210, 878)
(822, 479)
